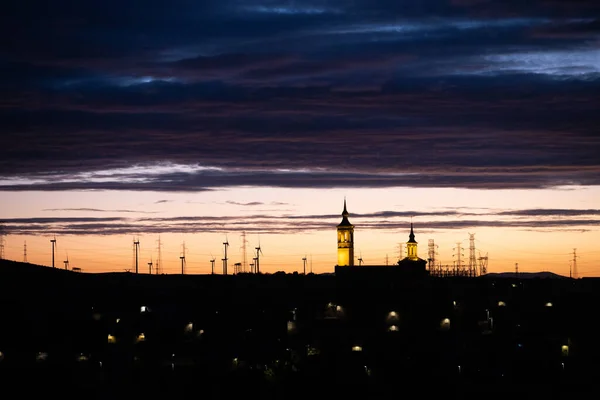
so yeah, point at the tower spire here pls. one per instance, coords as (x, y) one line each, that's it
(345, 239)
(411, 245)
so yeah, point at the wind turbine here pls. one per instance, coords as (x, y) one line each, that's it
(53, 241)
(136, 246)
(226, 244)
(304, 263)
(258, 253)
(182, 258)
(212, 264)
(360, 259)
(66, 261)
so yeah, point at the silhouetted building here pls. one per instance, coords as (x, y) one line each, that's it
(410, 266)
(345, 240)
(412, 263)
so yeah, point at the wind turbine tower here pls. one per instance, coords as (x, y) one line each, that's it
(182, 258)
(225, 244)
(257, 262)
(67, 263)
(136, 249)
(150, 267)
(25, 252)
(304, 264)
(212, 266)
(53, 241)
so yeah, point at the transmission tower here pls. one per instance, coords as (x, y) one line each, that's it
(25, 251)
(472, 259)
(136, 251)
(244, 242)
(158, 268)
(575, 256)
(400, 251)
(483, 264)
(431, 253)
(1, 242)
(459, 253)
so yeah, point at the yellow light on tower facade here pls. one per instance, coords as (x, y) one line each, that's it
(345, 240)
(564, 350)
(189, 327)
(548, 304)
(501, 304)
(111, 339)
(140, 338)
(357, 348)
(393, 328)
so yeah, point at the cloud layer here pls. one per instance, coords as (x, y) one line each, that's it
(187, 96)
(526, 219)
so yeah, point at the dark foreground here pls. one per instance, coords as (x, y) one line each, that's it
(291, 336)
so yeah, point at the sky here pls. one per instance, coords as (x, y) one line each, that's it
(198, 123)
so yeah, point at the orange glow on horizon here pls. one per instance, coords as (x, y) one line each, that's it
(535, 250)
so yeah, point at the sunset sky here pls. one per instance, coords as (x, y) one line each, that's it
(195, 121)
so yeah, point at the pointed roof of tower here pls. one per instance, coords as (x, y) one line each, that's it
(411, 236)
(345, 214)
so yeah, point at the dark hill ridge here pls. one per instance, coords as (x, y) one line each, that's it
(525, 275)
(289, 335)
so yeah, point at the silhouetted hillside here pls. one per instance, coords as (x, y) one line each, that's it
(525, 275)
(291, 336)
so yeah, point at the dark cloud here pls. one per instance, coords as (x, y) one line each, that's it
(98, 210)
(252, 203)
(527, 219)
(439, 93)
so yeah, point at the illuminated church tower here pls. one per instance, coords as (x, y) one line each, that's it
(345, 240)
(411, 245)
